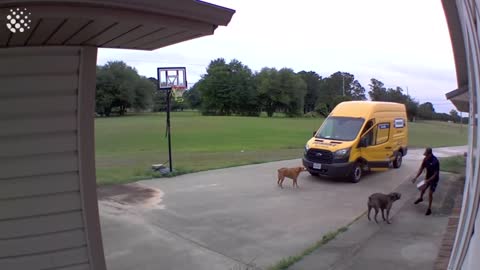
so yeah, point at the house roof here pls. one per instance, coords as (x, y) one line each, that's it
(458, 43)
(125, 24)
(458, 97)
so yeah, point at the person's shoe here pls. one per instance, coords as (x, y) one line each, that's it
(429, 212)
(419, 200)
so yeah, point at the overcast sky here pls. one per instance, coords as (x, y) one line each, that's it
(401, 43)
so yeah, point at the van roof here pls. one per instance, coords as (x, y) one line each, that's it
(365, 108)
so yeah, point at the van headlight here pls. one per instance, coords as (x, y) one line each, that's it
(306, 148)
(342, 153)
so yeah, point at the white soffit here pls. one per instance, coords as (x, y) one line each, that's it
(125, 24)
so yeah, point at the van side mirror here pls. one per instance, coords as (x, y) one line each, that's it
(314, 132)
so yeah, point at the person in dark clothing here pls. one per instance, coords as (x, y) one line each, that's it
(432, 165)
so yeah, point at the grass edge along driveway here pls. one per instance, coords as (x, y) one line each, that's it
(126, 147)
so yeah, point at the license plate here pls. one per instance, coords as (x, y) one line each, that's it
(317, 166)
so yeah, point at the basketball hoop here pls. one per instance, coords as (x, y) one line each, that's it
(177, 92)
(173, 80)
(170, 77)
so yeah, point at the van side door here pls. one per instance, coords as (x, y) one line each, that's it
(375, 147)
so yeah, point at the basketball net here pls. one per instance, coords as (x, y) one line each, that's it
(177, 92)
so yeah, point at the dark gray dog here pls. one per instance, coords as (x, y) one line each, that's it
(382, 202)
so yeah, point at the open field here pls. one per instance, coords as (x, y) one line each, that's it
(127, 146)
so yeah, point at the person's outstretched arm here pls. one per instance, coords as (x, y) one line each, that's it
(419, 171)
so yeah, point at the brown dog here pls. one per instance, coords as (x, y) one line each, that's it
(291, 173)
(382, 202)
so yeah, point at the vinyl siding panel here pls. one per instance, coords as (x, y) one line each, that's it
(27, 106)
(38, 165)
(46, 124)
(42, 244)
(47, 260)
(38, 65)
(39, 205)
(75, 267)
(36, 225)
(42, 220)
(38, 185)
(47, 143)
(39, 85)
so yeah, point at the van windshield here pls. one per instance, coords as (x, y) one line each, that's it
(340, 128)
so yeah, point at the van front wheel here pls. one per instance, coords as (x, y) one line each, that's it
(356, 173)
(398, 160)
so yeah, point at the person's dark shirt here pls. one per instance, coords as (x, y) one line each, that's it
(432, 165)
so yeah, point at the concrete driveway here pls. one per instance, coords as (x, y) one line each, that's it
(223, 219)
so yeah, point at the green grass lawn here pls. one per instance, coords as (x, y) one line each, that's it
(454, 164)
(437, 134)
(126, 147)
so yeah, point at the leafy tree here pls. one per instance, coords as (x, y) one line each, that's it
(412, 108)
(193, 97)
(313, 82)
(214, 89)
(344, 84)
(338, 87)
(396, 95)
(357, 91)
(144, 91)
(322, 109)
(292, 89)
(227, 89)
(426, 111)
(243, 91)
(104, 94)
(455, 116)
(281, 90)
(159, 101)
(119, 87)
(442, 117)
(377, 92)
(268, 87)
(339, 99)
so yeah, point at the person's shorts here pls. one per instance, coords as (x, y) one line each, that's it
(433, 185)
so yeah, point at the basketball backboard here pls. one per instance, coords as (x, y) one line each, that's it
(169, 77)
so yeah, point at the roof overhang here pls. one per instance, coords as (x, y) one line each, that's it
(125, 24)
(458, 43)
(458, 97)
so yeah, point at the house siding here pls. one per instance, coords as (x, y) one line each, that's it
(43, 210)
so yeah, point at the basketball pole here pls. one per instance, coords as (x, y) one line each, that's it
(169, 92)
(168, 83)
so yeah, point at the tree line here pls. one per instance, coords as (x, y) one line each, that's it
(234, 89)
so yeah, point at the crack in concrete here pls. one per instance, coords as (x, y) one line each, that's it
(204, 246)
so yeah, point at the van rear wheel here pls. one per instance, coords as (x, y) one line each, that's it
(356, 173)
(398, 160)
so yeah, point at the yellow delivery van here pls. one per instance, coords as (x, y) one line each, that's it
(358, 136)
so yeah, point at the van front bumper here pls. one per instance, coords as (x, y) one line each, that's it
(335, 170)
